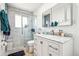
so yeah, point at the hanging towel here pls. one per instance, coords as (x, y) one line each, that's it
(5, 27)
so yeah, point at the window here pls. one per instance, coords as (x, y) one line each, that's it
(24, 21)
(20, 21)
(17, 21)
(35, 22)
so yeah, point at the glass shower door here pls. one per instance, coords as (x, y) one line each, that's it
(27, 25)
(23, 30)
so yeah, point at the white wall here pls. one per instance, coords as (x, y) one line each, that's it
(2, 6)
(74, 29)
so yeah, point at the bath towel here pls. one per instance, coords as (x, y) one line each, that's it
(5, 27)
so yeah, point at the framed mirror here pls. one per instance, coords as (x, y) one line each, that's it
(58, 15)
(46, 16)
(61, 15)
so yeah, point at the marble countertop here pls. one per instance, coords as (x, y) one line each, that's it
(55, 38)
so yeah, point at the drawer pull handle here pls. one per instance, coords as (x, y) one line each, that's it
(53, 47)
(41, 42)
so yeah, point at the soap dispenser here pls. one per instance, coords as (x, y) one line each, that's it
(61, 33)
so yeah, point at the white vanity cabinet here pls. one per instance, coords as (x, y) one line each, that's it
(51, 47)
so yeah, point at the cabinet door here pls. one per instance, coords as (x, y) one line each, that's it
(45, 47)
(37, 46)
(41, 46)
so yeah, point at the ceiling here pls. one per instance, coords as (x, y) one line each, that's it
(26, 6)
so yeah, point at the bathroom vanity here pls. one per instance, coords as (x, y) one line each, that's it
(52, 45)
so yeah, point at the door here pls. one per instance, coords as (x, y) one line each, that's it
(18, 31)
(26, 27)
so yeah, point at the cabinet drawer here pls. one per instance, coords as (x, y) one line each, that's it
(53, 49)
(54, 45)
(53, 53)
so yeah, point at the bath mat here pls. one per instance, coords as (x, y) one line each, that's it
(19, 53)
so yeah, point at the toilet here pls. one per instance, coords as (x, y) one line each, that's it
(30, 49)
(30, 43)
